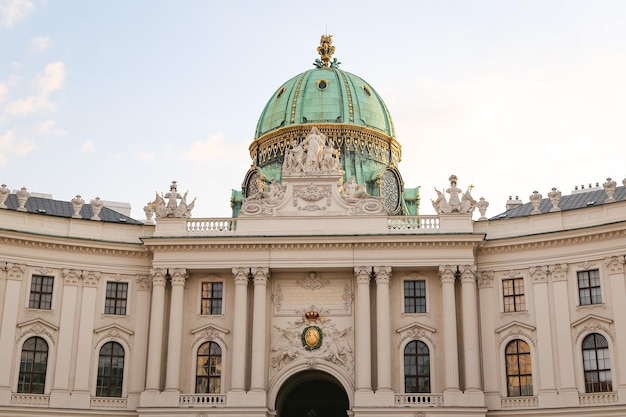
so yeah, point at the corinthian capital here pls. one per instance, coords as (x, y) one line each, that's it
(362, 274)
(447, 273)
(383, 274)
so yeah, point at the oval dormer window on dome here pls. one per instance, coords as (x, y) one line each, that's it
(367, 91)
(322, 84)
(280, 92)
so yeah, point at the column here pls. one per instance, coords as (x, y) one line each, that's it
(178, 276)
(615, 267)
(259, 330)
(363, 350)
(470, 328)
(383, 328)
(15, 274)
(64, 357)
(544, 357)
(85, 332)
(451, 353)
(240, 329)
(155, 346)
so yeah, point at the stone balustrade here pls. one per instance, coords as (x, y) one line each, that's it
(598, 398)
(32, 400)
(419, 400)
(412, 222)
(520, 402)
(108, 402)
(202, 400)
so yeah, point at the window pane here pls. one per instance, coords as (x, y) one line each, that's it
(33, 365)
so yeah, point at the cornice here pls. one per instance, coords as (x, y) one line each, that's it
(514, 244)
(105, 248)
(189, 246)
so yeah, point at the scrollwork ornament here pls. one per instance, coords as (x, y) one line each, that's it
(539, 273)
(615, 264)
(558, 272)
(485, 279)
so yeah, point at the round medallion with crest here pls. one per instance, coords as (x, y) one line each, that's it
(312, 338)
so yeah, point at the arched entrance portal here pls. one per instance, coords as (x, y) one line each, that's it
(312, 394)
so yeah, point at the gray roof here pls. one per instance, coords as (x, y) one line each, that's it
(568, 202)
(49, 207)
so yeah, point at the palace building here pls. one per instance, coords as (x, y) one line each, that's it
(326, 293)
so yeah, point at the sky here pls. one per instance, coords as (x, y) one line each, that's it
(115, 99)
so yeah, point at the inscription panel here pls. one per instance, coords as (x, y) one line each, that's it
(294, 297)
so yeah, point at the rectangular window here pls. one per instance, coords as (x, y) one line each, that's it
(415, 296)
(41, 292)
(513, 295)
(116, 298)
(211, 302)
(589, 287)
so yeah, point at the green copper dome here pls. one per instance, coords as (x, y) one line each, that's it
(325, 95)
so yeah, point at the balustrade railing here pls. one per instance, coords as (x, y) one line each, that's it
(38, 400)
(412, 222)
(108, 402)
(202, 400)
(419, 400)
(598, 398)
(211, 225)
(519, 402)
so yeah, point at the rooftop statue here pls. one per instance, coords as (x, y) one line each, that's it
(459, 202)
(173, 208)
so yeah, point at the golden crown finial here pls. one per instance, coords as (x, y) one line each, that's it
(326, 49)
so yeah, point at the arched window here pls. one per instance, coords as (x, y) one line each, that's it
(416, 367)
(209, 368)
(33, 365)
(519, 376)
(597, 364)
(110, 370)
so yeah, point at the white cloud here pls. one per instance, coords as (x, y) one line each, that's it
(29, 105)
(48, 127)
(8, 145)
(12, 11)
(3, 92)
(87, 146)
(145, 156)
(40, 43)
(53, 78)
(202, 151)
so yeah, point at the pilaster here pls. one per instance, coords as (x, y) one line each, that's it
(155, 346)
(615, 268)
(15, 275)
(363, 366)
(489, 302)
(471, 347)
(241, 278)
(258, 375)
(447, 273)
(383, 328)
(178, 277)
(544, 357)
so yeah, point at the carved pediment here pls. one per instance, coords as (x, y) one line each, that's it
(416, 331)
(37, 327)
(208, 331)
(114, 331)
(515, 329)
(593, 323)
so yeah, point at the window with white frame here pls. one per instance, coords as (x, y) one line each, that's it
(116, 298)
(40, 296)
(519, 377)
(416, 367)
(513, 295)
(589, 287)
(33, 366)
(209, 368)
(211, 298)
(415, 296)
(597, 364)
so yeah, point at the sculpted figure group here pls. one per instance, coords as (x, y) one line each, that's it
(173, 208)
(312, 155)
(458, 202)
